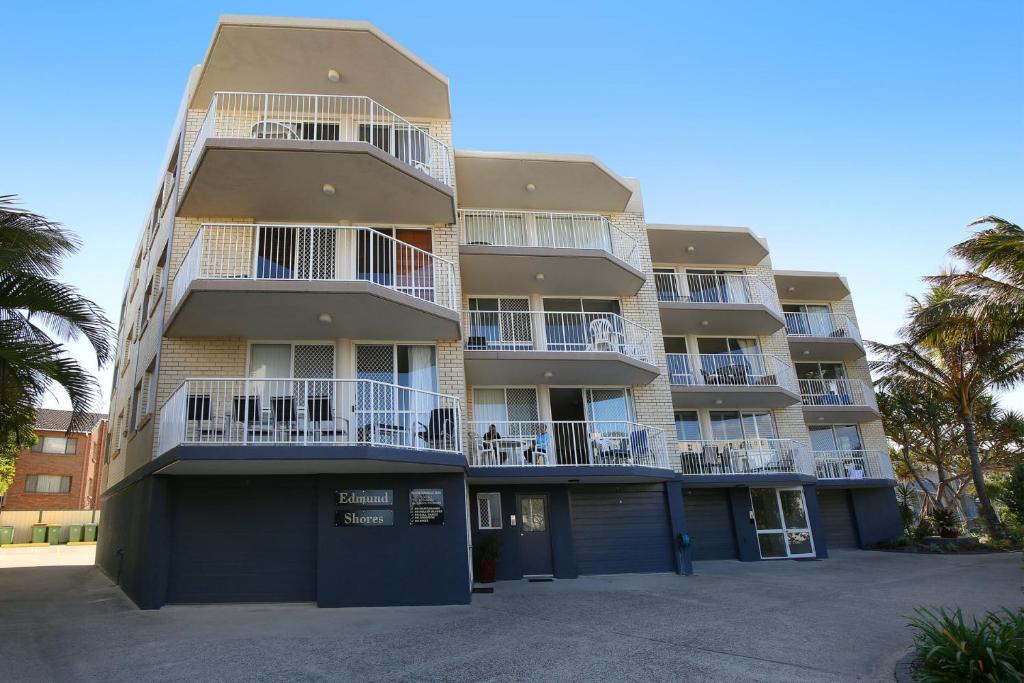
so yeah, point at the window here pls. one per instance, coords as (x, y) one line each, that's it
(488, 510)
(733, 425)
(835, 438)
(808, 319)
(143, 397)
(820, 371)
(687, 425)
(570, 323)
(58, 445)
(47, 483)
(716, 286)
(512, 411)
(500, 324)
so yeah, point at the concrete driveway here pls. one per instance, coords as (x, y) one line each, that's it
(838, 619)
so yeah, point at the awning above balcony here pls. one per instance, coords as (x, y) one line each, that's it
(560, 182)
(704, 244)
(278, 54)
(802, 285)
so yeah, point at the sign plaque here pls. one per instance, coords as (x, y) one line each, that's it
(426, 507)
(364, 497)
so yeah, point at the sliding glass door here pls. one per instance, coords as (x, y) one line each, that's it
(780, 517)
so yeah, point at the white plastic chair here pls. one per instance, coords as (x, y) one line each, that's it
(602, 335)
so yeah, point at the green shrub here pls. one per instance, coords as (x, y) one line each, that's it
(944, 522)
(923, 528)
(989, 649)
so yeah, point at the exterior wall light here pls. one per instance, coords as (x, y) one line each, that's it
(530, 187)
(333, 76)
(328, 189)
(325, 318)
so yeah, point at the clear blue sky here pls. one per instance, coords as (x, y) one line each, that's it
(856, 136)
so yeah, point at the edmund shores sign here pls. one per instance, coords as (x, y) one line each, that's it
(364, 497)
(364, 517)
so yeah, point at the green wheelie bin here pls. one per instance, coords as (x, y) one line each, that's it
(6, 535)
(74, 533)
(53, 535)
(38, 533)
(89, 532)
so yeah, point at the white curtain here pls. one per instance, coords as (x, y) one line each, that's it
(270, 361)
(489, 408)
(423, 377)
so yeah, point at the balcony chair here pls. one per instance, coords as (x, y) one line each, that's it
(282, 409)
(603, 336)
(270, 129)
(440, 430)
(248, 415)
(197, 414)
(319, 421)
(484, 451)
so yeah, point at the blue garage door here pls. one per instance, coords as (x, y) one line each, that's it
(837, 517)
(621, 529)
(709, 524)
(237, 539)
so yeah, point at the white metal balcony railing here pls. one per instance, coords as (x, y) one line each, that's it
(706, 288)
(556, 331)
(546, 444)
(323, 118)
(543, 229)
(300, 412)
(821, 325)
(853, 464)
(730, 369)
(745, 456)
(226, 251)
(837, 392)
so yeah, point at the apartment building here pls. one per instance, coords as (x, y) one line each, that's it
(63, 469)
(349, 353)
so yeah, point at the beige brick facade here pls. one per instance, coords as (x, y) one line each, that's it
(142, 346)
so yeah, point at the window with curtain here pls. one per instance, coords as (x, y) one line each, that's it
(572, 231)
(608, 405)
(835, 438)
(47, 483)
(512, 410)
(733, 425)
(714, 286)
(55, 445)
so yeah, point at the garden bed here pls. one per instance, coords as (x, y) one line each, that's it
(938, 544)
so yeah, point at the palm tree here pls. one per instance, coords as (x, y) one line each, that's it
(995, 263)
(950, 352)
(37, 314)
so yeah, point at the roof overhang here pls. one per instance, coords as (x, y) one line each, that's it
(285, 55)
(560, 182)
(804, 285)
(705, 244)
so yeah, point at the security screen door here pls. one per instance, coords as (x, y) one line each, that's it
(780, 516)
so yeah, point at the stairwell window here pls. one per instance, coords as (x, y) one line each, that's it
(47, 483)
(488, 511)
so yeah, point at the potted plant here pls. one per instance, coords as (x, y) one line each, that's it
(488, 554)
(944, 521)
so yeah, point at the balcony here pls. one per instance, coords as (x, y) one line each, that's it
(548, 347)
(852, 465)
(253, 281)
(298, 425)
(317, 158)
(593, 443)
(838, 400)
(722, 380)
(717, 304)
(745, 457)
(823, 336)
(572, 253)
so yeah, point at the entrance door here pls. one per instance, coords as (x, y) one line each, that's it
(534, 535)
(780, 516)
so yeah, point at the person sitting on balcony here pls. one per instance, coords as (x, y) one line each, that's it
(540, 447)
(493, 435)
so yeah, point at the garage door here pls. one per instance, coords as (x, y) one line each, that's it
(709, 523)
(620, 529)
(837, 516)
(242, 540)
